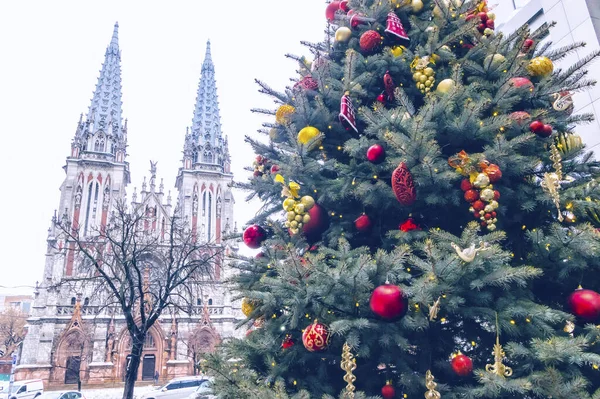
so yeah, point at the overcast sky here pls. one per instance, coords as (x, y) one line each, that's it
(51, 56)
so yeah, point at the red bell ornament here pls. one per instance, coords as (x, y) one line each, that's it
(388, 391)
(462, 365)
(347, 113)
(254, 235)
(585, 304)
(316, 337)
(403, 185)
(288, 342)
(387, 301)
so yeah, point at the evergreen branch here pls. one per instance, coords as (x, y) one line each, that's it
(265, 89)
(562, 52)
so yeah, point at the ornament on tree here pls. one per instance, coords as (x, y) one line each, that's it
(387, 301)
(307, 83)
(309, 137)
(254, 236)
(520, 117)
(288, 342)
(445, 86)
(376, 153)
(416, 6)
(388, 83)
(486, 18)
(568, 142)
(248, 306)
(357, 19)
(260, 166)
(585, 304)
(282, 116)
(430, 385)
(403, 185)
(498, 367)
(316, 337)
(343, 34)
(297, 208)
(317, 224)
(363, 223)
(541, 129)
(493, 61)
(394, 27)
(520, 82)
(462, 365)
(409, 225)
(348, 364)
(397, 51)
(347, 113)
(381, 98)
(527, 44)
(551, 181)
(369, 41)
(334, 7)
(482, 197)
(423, 74)
(388, 391)
(563, 102)
(540, 67)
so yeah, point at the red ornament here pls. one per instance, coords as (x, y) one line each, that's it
(462, 365)
(388, 83)
(333, 7)
(536, 126)
(274, 168)
(483, 16)
(288, 342)
(369, 40)
(527, 44)
(585, 304)
(388, 391)
(471, 195)
(319, 222)
(546, 131)
(362, 223)
(478, 205)
(381, 98)
(465, 185)
(409, 225)
(316, 337)
(490, 23)
(520, 117)
(403, 185)
(496, 195)
(394, 26)
(387, 302)
(254, 235)
(357, 19)
(521, 82)
(493, 172)
(307, 83)
(376, 153)
(347, 114)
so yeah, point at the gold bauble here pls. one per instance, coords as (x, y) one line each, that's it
(428, 71)
(299, 209)
(306, 218)
(248, 307)
(308, 202)
(494, 60)
(445, 86)
(397, 51)
(343, 34)
(288, 204)
(540, 66)
(282, 116)
(417, 5)
(307, 134)
(291, 215)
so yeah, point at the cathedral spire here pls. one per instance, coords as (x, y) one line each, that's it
(205, 147)
(102, 130)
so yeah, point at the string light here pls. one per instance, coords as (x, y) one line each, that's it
(339, 147)
(375, 177)
(473, 343)
(513, 322)
(528, 320)
(329, 127)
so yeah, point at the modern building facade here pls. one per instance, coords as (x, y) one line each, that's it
(576, 21)
(96, 177)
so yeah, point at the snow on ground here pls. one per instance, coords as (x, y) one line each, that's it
(115, 393)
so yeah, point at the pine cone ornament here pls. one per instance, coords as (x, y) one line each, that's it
(404, 185)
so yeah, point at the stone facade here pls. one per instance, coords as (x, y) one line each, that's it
(72, 331)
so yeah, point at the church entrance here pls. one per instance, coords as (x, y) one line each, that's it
(148, 367)
(72, 369)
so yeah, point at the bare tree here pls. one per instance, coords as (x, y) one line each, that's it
(143, 271)
(12, 329)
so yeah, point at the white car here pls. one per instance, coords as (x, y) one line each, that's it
(204, 391)
(61, 395)
(177, 388)
(26, 389)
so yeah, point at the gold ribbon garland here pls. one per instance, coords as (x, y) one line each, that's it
(498, 367)
(348, 365)
(551, 182)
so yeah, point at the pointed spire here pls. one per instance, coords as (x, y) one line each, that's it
(205, 144)
(114, 41)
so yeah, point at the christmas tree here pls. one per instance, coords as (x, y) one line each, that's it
(430, 217)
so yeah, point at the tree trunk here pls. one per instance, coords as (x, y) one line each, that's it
(134, 365)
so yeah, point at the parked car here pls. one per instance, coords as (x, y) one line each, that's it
(204, 391)
(26, 389)
(61, 395)
(177, 388)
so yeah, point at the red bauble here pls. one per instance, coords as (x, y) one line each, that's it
(307, 83)
(520, 117)
(381, 98)
(496, 195)
(465, 185)
(521, 82)
(388, 391)
(369, 40)
(490, 23)
(403, 185)
(585, 304)
(288, 342)
(478, 205)
(536, 126)
(376, 153)
(409, 225)
(528, 43)
(471, 195)
(254, 236)
(362, 223)
(483, 16)
(319, 222)
(546, 131)
(387, 302)
(332, 8)
(493, 172)
(274, 168)
(462, 365)
(316, 337)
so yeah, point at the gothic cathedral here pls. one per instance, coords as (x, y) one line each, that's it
(73, 330)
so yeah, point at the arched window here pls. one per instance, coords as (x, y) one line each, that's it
(97, 145)
(199, 301)
(210, 301)
(91, 206)
(73, 300)
(209, 216)
(195, 156)
(204, 204)
(86, 301)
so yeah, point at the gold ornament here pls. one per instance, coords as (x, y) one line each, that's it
(309, 135)
(569, 327)
(551, 181)
(452, 6)
(540, 66)
(567, 143)
(397, 51)
(308, 202)
(498, 367)
(423, 73)
(348, 364)
(430, 384)
(468, 254)
(434, 309)
(343, 34)
(493, 61)
(248, 306)
(282, 116)
(416, 5)
(445, 86)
